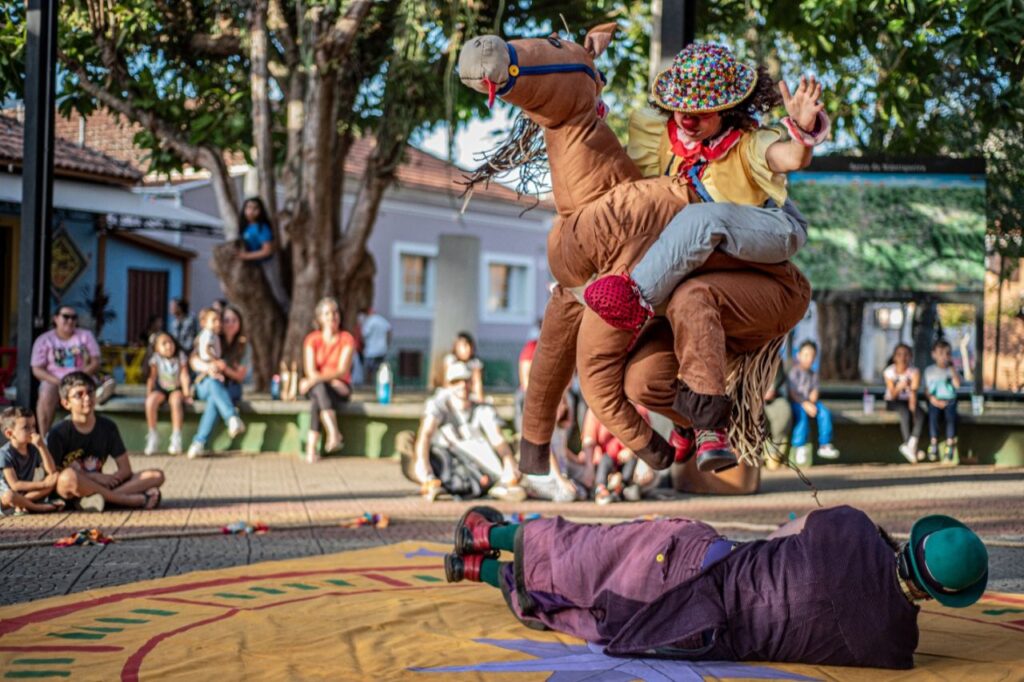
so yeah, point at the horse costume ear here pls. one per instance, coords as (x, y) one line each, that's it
(598, 38)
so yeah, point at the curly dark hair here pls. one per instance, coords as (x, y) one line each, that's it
(744, 115)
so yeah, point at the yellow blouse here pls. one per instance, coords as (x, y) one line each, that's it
(742, 176)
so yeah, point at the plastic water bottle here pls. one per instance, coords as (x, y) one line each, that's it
(275, 387)
(869, 402)
(384, 384)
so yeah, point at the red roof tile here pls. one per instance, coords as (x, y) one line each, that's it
(113, 137)
(422, 170)
(69, 160)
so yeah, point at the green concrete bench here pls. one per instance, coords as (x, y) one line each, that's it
(995, 437)
(275, 426)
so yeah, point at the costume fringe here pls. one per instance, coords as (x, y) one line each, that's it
(748, 377)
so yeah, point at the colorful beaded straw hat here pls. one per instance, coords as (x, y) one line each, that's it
(703, 78)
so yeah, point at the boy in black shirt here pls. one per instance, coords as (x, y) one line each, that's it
(81, 444)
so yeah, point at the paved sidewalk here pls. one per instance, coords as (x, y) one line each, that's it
(303, 505)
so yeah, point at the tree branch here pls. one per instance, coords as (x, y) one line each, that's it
(380, 173)
(277, 21)
(341, 36)
(261, 117)
(208, 158)
(216, 45)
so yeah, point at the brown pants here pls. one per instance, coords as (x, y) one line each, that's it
(732, 313)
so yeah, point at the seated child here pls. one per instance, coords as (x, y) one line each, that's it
(169, 382)
(803, 396)
(941, 381)
(615, 463)
(208, 346)
(20, 456)
(83, 442)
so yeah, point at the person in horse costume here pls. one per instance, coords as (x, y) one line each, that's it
(718, 347)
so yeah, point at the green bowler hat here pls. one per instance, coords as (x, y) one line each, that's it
(949, 560)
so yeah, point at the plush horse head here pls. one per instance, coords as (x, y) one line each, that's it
(556, 84)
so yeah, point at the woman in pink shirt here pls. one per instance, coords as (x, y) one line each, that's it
(59, 352)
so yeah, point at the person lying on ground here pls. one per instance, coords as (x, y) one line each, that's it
(829, 588)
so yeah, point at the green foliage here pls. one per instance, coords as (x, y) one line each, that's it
(866, 236)
(903, 77)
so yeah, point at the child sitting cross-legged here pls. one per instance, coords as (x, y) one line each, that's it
(168, 382)
(83, 442)
(20, 456)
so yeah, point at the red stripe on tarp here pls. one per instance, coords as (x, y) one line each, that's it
(130, 671)
(58, 649)
(10, 625)
(386, 580)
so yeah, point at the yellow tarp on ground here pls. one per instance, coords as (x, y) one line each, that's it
(386, 614)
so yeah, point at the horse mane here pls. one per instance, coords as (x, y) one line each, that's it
(523, 149)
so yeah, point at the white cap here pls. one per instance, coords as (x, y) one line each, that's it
(457, 371)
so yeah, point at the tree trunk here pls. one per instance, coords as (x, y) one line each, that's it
(263, 322)
(358, 294)
(840, 324)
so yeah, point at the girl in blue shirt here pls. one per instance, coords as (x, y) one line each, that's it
(258, 245)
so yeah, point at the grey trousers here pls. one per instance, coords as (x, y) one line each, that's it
(752, 233)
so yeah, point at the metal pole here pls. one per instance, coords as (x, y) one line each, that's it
(37, 188)
(675, 26)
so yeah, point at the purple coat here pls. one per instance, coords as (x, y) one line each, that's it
(827, 595)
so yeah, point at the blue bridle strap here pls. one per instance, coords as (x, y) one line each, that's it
(515, 71)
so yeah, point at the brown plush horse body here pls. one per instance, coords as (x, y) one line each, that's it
(608, 216)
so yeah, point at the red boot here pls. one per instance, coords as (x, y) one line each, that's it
(713, 451)
(458, 568)
(617, 300)
(472, 532)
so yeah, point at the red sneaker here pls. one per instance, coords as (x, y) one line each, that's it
(472, 532)
(683, 441)
(617, 300)
(713, 451)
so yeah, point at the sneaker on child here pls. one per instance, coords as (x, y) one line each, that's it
(828, 451)
(92, 503)
(152, 442)
(802, 456)
(105, 391)
(909, 450)
(174, 448)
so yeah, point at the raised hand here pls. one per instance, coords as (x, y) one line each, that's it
(804, 104)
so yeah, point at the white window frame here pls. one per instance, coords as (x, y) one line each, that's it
(399, 308)
(528, 316)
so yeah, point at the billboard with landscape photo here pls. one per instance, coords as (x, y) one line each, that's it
(894, 225)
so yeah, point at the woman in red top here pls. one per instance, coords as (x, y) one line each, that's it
(327, 358)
